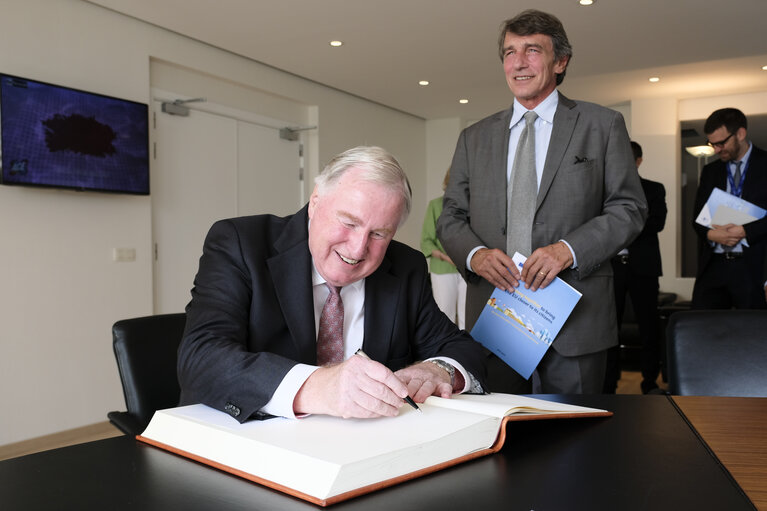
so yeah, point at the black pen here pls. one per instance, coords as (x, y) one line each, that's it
(407, 399)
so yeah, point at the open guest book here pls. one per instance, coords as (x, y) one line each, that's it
(325, 459)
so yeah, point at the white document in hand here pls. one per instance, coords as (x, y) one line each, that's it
(726, 215)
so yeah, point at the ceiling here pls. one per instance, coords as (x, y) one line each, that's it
(698, 48)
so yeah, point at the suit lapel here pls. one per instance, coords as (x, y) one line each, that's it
(754, 182)
(720, 176)
(564, 125)
(381, 300)
(291, 271)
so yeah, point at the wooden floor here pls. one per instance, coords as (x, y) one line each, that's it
(62, 439)
(628, 384)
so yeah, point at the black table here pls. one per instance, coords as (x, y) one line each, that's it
(646, 457)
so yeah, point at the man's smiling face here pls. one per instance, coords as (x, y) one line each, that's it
(351, 226)
(530, 67)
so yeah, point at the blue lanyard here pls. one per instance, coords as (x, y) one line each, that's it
(737, 191)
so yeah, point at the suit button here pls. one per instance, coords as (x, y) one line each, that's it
(232, 410)
(503, 231)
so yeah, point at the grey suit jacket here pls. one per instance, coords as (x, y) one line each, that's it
(589, 195)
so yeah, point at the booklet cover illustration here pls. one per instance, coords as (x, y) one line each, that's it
(519, 327)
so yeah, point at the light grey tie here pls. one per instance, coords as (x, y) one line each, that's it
(736, 179)
(523, 192)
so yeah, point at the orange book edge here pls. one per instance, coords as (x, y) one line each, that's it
(381, 484)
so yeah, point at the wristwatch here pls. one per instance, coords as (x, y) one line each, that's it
(447, 367)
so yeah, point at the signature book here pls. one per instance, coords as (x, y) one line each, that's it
(519, 327)
(326, 460)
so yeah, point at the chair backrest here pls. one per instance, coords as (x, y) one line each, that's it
(145, 349)
(717, 353)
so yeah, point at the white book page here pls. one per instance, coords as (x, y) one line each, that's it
(322, 455)
(217, 437)
(499, 405)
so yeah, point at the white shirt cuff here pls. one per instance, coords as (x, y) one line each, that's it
(281, 403)
(471, 254)
(572, 252)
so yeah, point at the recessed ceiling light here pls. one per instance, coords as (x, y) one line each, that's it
(463, 101)
(336, 43)
(423, 83)
(585, 2)
(764, 68)
(654, 79)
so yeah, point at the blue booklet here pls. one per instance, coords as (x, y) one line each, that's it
(723, 208)
(519, 327)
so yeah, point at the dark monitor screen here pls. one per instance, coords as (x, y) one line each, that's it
(60, 137)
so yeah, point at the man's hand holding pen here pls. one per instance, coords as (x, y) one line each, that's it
(363, 388)
(426, 379)
(356, 388)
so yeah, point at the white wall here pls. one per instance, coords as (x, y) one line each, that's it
(441, 137)
(655, 126)
(60, 292)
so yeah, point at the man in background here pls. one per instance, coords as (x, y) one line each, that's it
(558, 185)
(636, 270)
(731, 257)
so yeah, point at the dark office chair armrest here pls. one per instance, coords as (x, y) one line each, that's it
(126, 422)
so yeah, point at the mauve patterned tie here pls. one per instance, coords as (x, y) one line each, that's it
(330, 340)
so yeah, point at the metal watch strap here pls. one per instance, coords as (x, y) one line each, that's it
(447, 367)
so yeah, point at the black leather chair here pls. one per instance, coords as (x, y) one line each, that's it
(718, 353)
(145, 349)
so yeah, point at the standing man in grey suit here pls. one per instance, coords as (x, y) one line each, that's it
(589, 204)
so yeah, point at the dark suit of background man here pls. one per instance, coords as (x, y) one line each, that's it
(589, 205)
(731, 257)
(251, 342)
(636, 270)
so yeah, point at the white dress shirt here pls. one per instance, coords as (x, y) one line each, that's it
(353, 298)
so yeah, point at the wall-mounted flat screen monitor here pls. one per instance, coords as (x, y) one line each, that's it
(59, 137)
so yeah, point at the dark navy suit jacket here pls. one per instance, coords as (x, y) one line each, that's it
(644, 251)
(251, 317)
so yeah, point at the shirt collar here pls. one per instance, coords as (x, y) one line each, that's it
(744, 159)
(545, 109)
(319, 280)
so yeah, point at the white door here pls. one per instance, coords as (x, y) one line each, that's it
(208, 167)
(269, 180)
